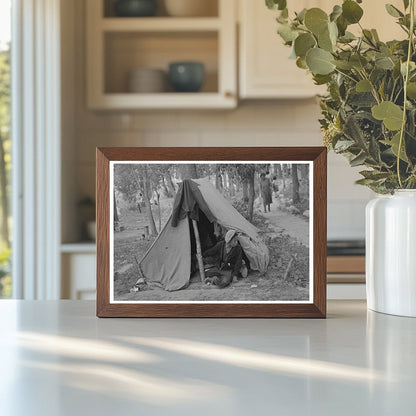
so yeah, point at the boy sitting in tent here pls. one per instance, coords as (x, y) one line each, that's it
(224, 261)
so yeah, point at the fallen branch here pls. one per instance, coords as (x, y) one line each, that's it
(293, 258)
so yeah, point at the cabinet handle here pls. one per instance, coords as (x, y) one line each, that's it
(229, 94)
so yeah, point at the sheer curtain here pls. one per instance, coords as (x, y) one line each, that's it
(36, 148)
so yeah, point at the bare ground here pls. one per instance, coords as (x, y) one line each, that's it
(286, 236)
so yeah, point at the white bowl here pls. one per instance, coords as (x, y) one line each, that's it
(191, 8)
(147, 80)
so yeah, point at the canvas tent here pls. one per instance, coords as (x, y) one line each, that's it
(168, 260)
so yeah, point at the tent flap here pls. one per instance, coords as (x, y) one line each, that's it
(168, 261)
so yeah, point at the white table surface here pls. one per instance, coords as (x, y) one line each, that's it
(57, 358)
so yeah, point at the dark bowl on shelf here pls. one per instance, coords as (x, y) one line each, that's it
(186, 76)
(135, 8)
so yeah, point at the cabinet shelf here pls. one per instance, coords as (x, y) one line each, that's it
(160, 24)
(116, 46)
(198, 100)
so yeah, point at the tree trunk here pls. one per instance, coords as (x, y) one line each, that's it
(4, 196)
(304, 172)
(147, 203)
(218, 178)
(279, 170)
(170, 185)
(165, 188)
(199, 251)
(250, 182)
(284, 175)
(116, 218)
(189, 171)
(158, 212)
(295, 184)
(232, 186)
(232, 190)
(245, 190)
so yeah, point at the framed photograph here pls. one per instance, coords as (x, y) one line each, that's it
(211, 232)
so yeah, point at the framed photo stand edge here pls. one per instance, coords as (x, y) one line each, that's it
(314, 309)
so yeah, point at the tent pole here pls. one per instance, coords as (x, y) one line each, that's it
(199, 252)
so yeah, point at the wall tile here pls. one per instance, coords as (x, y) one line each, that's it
(202, 120)
(161, 119)
(230, 138)
(171, 138)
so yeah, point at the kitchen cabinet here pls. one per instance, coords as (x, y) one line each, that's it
(78, 263)
(118, 45)
(265, 69)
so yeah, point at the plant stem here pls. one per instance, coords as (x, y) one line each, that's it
(346, 75)
(406, 79)
(373, 88)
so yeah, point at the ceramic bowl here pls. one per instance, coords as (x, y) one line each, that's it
(186, 76)
(135, 8)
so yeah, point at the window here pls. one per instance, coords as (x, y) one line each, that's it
(5, 147)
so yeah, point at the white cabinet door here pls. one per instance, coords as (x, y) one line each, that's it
(265, 68)
(78, 276)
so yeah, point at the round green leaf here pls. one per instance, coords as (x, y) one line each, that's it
(333, 32)
(358, 61)
(324, 41)
(384, 62)
(393, 11)
(363, 86)
(344, 65)
(394, 143)
(391, 114)
(411, 90)
(287, 33)
(276, 4)
(303, 43)
(316, 20)
(336, 12)
(319, 61)
(301, 63)
(351, 11)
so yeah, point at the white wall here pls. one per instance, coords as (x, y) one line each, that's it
(255, 123)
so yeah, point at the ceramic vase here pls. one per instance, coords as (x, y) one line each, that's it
(391, 253)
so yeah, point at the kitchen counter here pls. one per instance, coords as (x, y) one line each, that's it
(57, 358)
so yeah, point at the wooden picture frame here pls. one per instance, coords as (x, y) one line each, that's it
(314, 307)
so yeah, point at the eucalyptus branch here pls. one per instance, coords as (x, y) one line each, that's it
(398, 95)
(406, 79)
(373, 88)
(392, 90)
(346, 75)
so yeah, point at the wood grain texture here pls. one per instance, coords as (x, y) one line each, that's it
(346, 264)
(317, 309)
(103, 231)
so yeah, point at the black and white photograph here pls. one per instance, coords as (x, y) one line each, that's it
(211, 232)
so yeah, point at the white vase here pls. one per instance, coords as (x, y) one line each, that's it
(391, 253)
